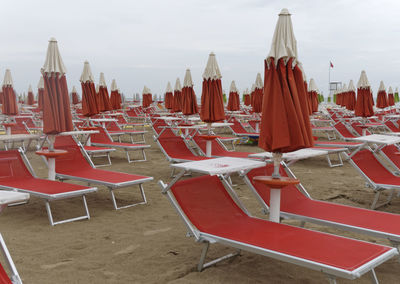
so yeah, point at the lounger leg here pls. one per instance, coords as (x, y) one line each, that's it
(204, 251)
(331, 279)
(374, 279)
(375, 204)
(340, 163)
(114, 201)
(50, 216)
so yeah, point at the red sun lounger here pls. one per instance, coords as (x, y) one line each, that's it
(74, 166)
(17, 174)
(296, 203)
(343, 132)
(377, 176)
(14, 277)
(212, 216)
(102, 139)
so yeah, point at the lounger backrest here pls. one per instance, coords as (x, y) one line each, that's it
(391, 152)
(342, 129)
(74, 159)
(112, 126)
(237, 127)
(216, 148)
(100, 137)
(19, 128)
(206, 203)
(391, 126)
(4, 279)
(358, 129)
(371, 167)
(12, 167)
(289, 196)
(174, 146)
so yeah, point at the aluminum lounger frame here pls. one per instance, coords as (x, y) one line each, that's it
(207, 239)
(393, 238)
(54, 197)
(15, 278)
(110, 185)
(377, 187)
(340, 134)
(104, 152)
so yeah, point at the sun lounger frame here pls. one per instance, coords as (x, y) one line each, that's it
(15, 278)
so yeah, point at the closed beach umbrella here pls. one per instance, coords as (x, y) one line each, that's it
(258, 94)
(351, 96)
(313, 95)
(233, 100)
(381, 99)
(89, 96)
(177, 105)
(31, 96)
(115, 97)
(10, 106)
(105, 104)
(364, 106)
(146, 97)
(56, 107)
(40, 93)
(246, 98)
(285, 125)
(212, 103)
(390, 97)
(189, 101)
(396, 95)
(74, 96)
(169, 97)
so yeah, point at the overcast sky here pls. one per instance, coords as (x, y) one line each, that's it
(152, 42)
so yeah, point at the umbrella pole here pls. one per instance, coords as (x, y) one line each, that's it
(275, 193)
(208, 143)
(51, 162)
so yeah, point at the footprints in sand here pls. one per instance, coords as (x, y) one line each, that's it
(127, 250)
(154, 232)
(55, 265)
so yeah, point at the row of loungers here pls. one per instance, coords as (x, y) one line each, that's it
(17, 174)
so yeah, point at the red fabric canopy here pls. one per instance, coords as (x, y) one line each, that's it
(89, 99)
(104, 100)
(247, 100)
(10, 106)
(115, 100)
(391, 100)
(233, 102)
(147, 99)
(257, 100)
(75, 99)
(364, 106)
(212, 103)
(189, 102)
(309, 104)
(177, 102)
(169, 100)
(56, 108)
(313, 98)
(351, 100)
(31, 98)
(40, 99)
(381, 100)
(285, 124)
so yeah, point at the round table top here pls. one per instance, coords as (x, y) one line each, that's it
(51, 154)
(276, 182)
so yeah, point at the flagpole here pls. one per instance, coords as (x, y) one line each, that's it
(329, 81)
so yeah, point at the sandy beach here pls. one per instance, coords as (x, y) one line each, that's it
(148, 243)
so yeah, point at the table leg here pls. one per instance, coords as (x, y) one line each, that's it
(274, 205)
(51, 168)
(208, 148)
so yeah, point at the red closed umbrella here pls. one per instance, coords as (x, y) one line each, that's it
(381, 99)
(258, 94)
(364, 104)
(233, 100)
(246, 98)
(169, 97)
(31, 96)
(177, 103)
(212, 103)
(351, 96)
(189, 101)
(285, 123)
(89, 96)
(10, 106)
(40, 93)
(313, 95)
(104, 99)
(115, 97)
(390, 97)
(146, 97)
(74, 96)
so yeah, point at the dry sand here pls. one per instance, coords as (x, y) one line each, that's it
(148, 243)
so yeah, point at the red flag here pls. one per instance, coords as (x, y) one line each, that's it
(331, 64)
